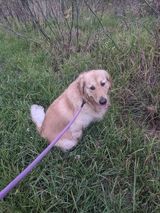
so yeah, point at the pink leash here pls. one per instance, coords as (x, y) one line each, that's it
(30, 167)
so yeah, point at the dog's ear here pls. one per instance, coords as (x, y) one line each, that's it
(81, 84)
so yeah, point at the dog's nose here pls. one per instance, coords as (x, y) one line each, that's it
(102, 100)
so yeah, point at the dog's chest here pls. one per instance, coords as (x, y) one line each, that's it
(84, 119)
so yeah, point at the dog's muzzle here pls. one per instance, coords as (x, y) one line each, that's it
(102, 100)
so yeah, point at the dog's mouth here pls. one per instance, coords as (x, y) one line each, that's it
(104, 106)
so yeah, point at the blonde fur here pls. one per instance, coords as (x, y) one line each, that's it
(61, 111)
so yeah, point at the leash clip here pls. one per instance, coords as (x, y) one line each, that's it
(83, 103)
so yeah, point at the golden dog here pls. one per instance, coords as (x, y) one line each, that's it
(92, 87)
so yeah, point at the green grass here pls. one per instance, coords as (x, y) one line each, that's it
(115, 167)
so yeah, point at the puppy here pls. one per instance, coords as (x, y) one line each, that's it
(93, 88)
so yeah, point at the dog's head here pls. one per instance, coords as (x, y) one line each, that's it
(94, 87)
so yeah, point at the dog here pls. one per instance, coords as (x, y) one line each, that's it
(91, 87)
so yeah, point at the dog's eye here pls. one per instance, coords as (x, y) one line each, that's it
(92, 88)
(103, 83)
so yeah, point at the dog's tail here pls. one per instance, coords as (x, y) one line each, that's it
(37, 115)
